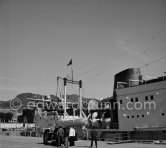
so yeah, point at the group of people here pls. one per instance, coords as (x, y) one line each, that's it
(65, 136)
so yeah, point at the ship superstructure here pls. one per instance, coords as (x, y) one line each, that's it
(139, 105)
(137, 108)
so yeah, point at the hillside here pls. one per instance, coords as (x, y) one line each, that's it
(107, 99)
(27, 97)
(4, 104)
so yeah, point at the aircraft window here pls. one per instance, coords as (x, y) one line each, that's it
(137, 116)
(136, 99)
(146, 98)
(151, 97)
(127, 116)
(142, 115)
(163, 114)
(132, 116)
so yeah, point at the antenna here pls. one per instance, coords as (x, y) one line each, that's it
(153, 61)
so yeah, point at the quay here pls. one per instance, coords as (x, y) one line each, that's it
(26, 142)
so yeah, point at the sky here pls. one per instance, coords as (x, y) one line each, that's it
(102, 37)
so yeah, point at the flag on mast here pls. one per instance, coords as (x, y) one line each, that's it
(70, 63)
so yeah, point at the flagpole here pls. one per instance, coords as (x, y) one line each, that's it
(71, 72)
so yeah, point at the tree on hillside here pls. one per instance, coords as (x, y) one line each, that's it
(28, 115)
(6, 117)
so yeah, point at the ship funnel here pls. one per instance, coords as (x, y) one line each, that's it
(127, 78)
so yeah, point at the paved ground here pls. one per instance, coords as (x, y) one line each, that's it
(30, 142)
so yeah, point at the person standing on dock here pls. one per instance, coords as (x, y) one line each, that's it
(66, 136)
(72, 136)
(93, 134)
(60, 134)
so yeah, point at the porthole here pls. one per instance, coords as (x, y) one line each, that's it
(143, 116)
(163, 114)
(124, 115)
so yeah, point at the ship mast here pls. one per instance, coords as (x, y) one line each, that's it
(65, 81)
(80, 94)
